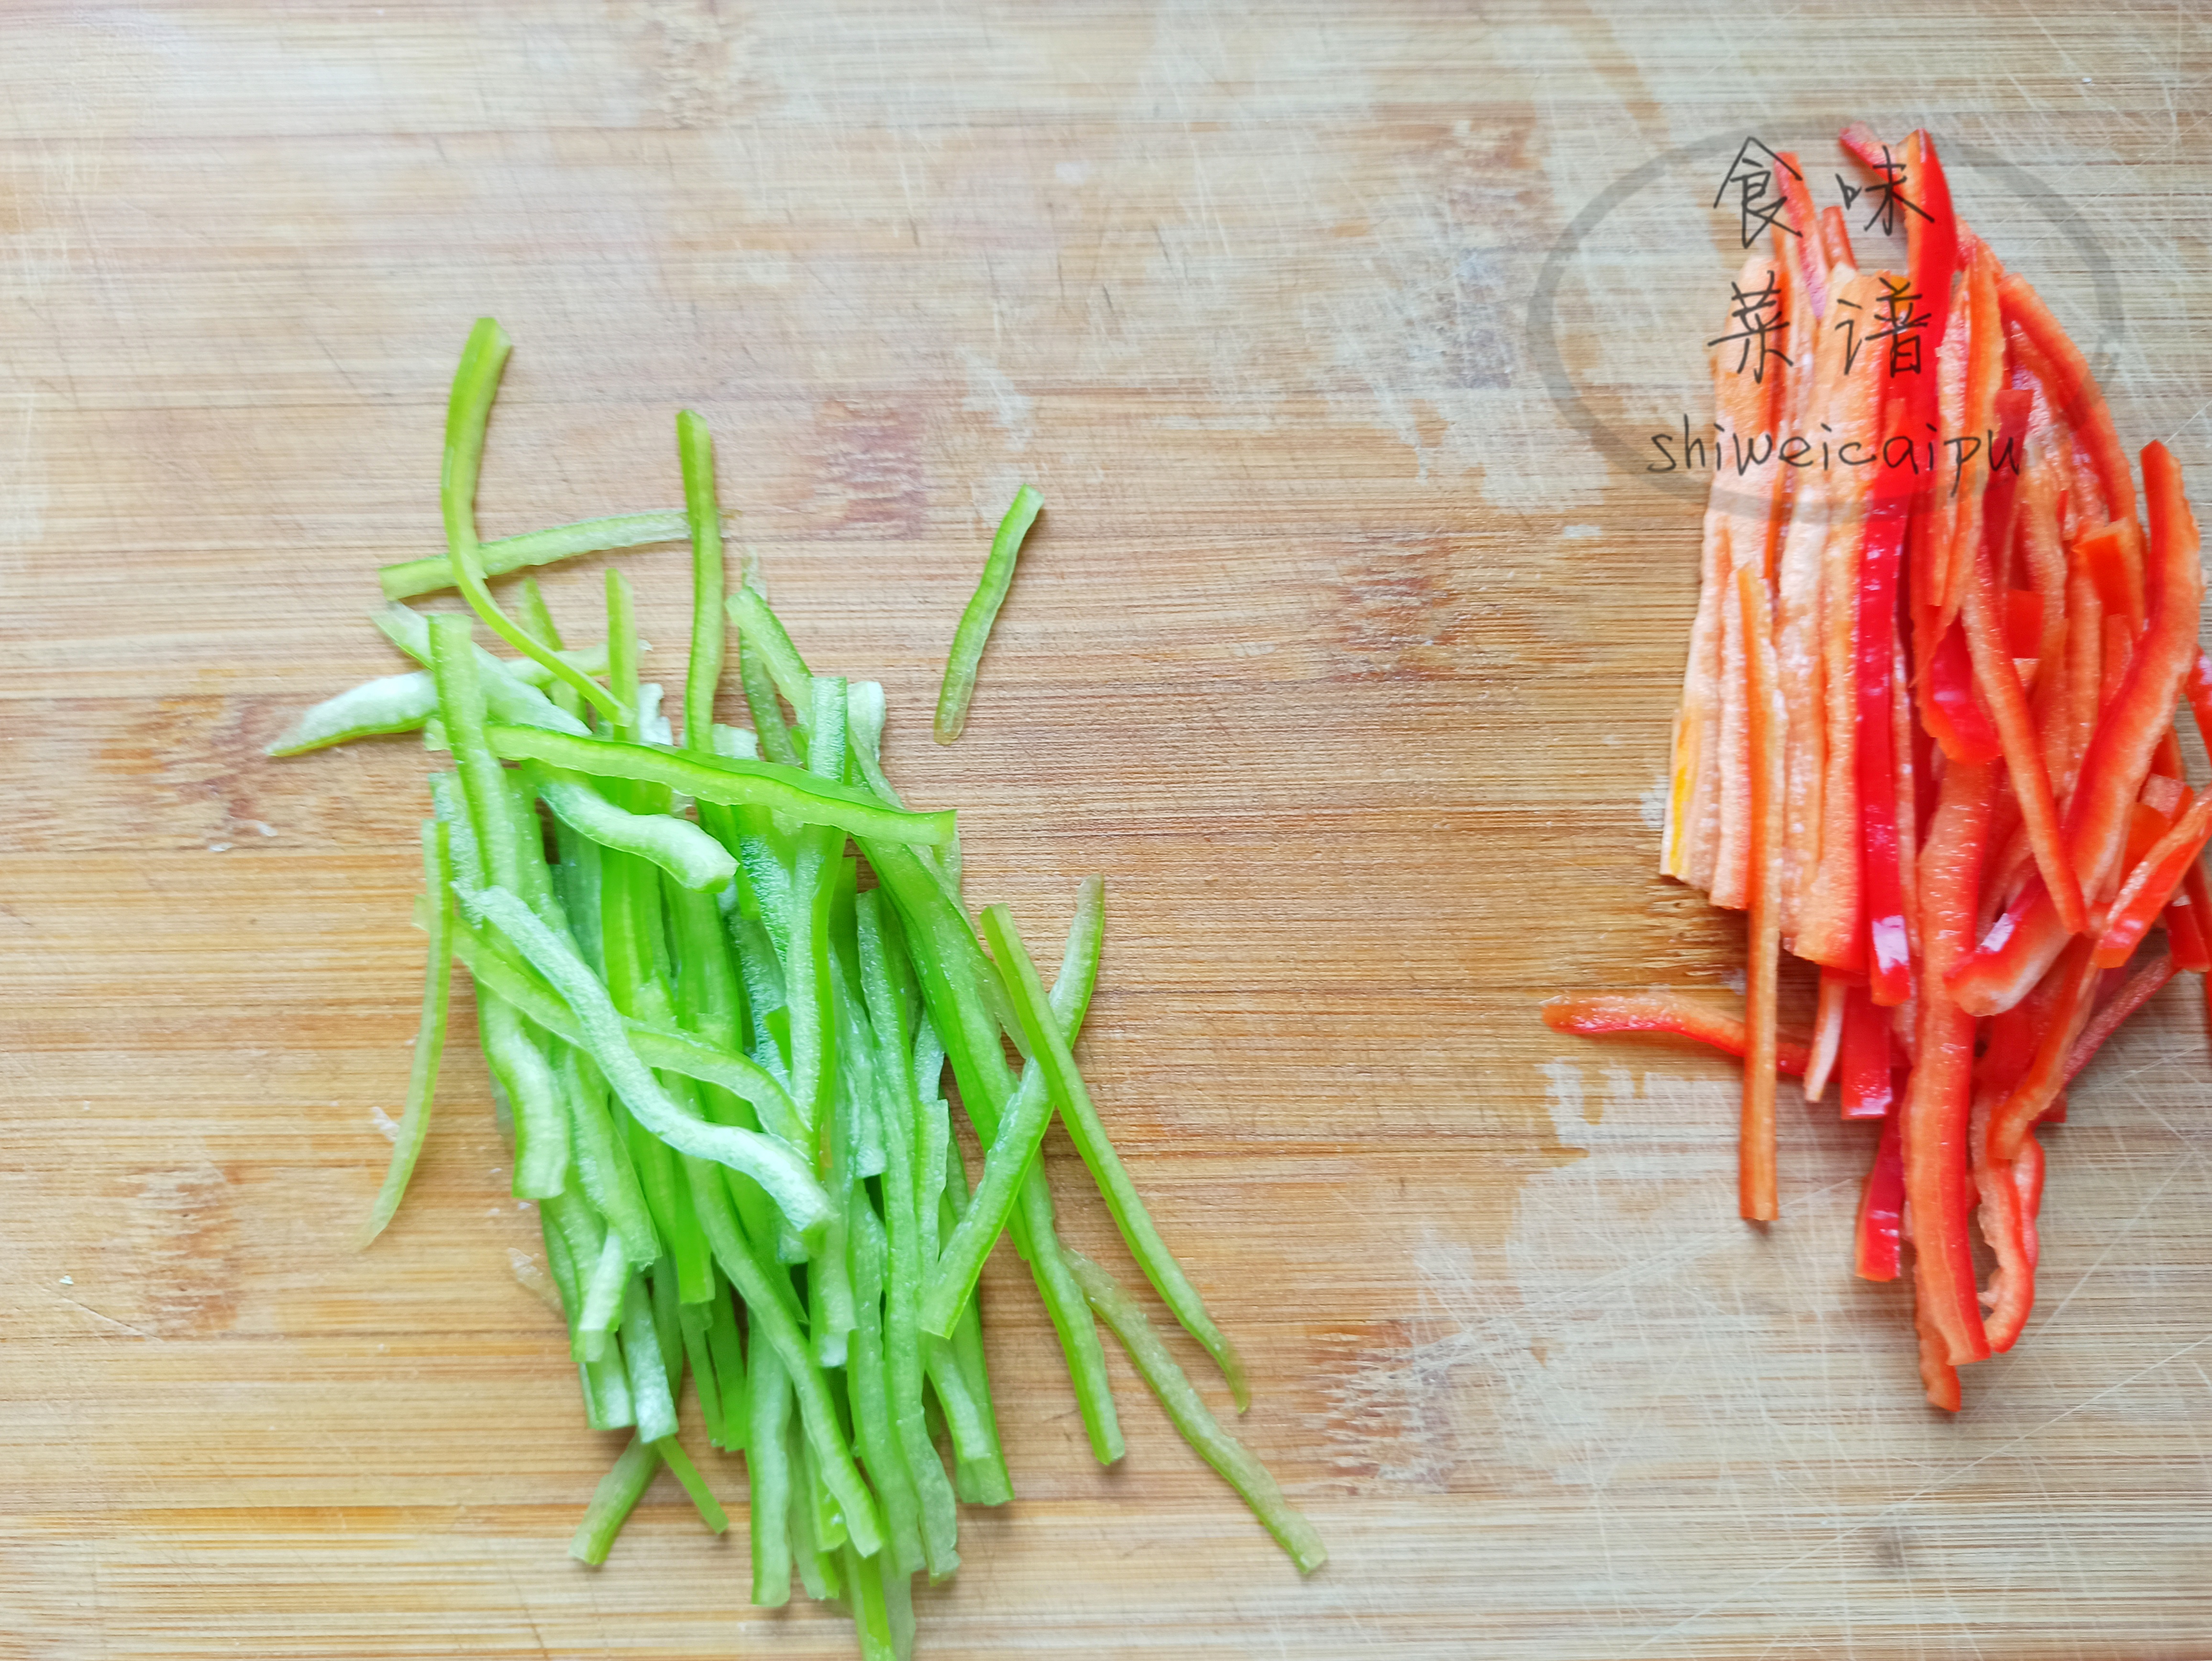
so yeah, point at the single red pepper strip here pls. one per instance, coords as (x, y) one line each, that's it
(2072, 390)
(1867, 1087)
(2152, 884)
(2030, 1097)
(1860, 140)
(1953, 710)
(1999, 681)
(1592, 1013)
(2009, 1195)
(2186, 916)
(1836, 238)
(2023, 622)
(1938, 1378)
(2141, 715)
(1982, 518)
(1881, 1207)
(2138, 989)
(1811, 260)
(1888, 966)
(2011, 408)
(1939, 1096)
(2017, 953)
(2103, 553)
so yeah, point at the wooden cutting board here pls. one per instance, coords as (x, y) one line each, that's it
(1345, 650)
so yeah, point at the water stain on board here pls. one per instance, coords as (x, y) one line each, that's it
(869, 476)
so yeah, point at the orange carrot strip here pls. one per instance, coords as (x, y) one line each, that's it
(1757, 1198)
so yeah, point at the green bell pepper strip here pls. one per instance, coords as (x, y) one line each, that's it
(1021, 1125)
(501, 816)
(617, 1496)
(513, 692)
(1237, 1464)
(881, 957)
(699, 1356)
(602, 1034)
(867, 1393)
(872, 1619)
(767, 1474)
(774, 1319)
(602, 1298)
(678, 847)
(974, 630)
(468, 412)
(816, 1537)
(695, 448)
(725, 1345)
(391, 703)
(409, 578)
(773, 733)
(541, 1114)
(764, 635)
(806, 966)
(735, 783)
(648, 1366)
(1049, 1050)
(702, 1498)
(429, 1040)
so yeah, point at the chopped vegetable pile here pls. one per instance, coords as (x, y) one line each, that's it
(1927, 737)
(722, 1055)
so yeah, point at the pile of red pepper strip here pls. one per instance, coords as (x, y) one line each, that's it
(1927, 739)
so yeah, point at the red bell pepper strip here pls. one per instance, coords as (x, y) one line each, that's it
(1807, 255)
(1938, 1378)
(1999, 683)
(2185, 927)
(2073, 391)
(1939, 1096)
(2016, 952)
(2138, 989)
(2023, 622)
(2010, 1194)
(1757, 1198)
(1592, 1013)
(2152, 884)
(1836, 238)
(2141, 710)
(1984, 516)
(1951, 707)
(2030, 1097)
(1881, 1207)
(1868, 1091)
(1888, 965)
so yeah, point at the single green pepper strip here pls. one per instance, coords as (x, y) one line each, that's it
(702, 513)
(648, 1366)
(602, 1033)
(511, 690)
(775, 1319)
(468, 412)
(1021, 1125)
(974, 630)
(871, 1620)
(391, 703)
(702, 1498)
(429, 1040)
(1048, 1051)
(867, 1386)
(807, 968)
(540, 1116)
(408, 578)
(879, 953)
(773, 732)
(813, 1522)
(617, 1496)
(1238, 1464)
(767, 1474)
(735, 783)
(677, 846)
(764, 634)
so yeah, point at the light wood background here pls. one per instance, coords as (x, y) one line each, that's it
(1340, 650)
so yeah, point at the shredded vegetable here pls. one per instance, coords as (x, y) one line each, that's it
(1928, 733)
(723, 1038)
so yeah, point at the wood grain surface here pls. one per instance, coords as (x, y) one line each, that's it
(1343, 650)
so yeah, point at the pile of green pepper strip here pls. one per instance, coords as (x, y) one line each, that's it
(723, 1058)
